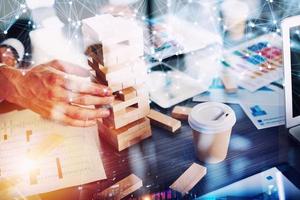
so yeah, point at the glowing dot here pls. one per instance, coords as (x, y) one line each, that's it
(269, 66)
(5, 32)
(146, 198)
(17, 17)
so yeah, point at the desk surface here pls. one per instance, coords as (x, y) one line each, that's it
(160, 160)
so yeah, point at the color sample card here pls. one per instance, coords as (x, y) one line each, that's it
(256, 63)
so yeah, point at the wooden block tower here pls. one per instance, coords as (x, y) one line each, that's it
(115, 47)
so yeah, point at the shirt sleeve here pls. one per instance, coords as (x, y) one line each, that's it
(16, 44)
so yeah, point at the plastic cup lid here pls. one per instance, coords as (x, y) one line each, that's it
(212, 117)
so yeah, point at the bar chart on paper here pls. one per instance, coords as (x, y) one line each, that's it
(44, 156)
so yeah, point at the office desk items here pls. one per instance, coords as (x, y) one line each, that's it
(268, 184)
(189, 178)
(172, 35)
(181, 112)
(217, 93)
(45, 156)
(291, 28)
(164, 121)
(256, 63)
(211, 125)
(116, 60)
(121, 189)
(266, 99)
(169, 86)
(264, 116)
(229, 82)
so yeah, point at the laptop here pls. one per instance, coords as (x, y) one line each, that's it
(278, 182)
(291, 50)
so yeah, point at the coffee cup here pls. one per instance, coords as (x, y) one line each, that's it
(235, 14)
(212, 124)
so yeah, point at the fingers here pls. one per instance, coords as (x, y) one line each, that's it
(66, 120)
(67, 114)
(77, 85)
(79, 123)
(92, 100)
(69, 68)
(87, 88)
(80, 113)
(63, 95)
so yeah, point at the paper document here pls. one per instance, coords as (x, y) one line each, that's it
(270, 95)
(265, 116)
(41, 156)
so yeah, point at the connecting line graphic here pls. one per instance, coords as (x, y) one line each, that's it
(265, 17)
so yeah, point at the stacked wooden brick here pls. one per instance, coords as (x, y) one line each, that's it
(115, 49)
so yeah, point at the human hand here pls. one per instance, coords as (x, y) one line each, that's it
(50, 89)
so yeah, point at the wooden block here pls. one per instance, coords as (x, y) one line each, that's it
(189, 178)
(126, 136)
(93, 31)
(126, 94)
(229, 83)
(164, 121)
(118, 105)
(122, 55)
(116, 48)
(121, 189)
(123, 73)
(132, 113)
(95, 51)
(142, 90)
(181, 113)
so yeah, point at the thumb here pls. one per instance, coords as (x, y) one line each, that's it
(69, 68)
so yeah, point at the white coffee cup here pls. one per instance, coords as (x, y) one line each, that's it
(212, 125)
(235, 13)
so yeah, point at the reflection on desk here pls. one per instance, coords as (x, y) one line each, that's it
(160, 160)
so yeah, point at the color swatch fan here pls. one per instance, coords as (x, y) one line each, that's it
(114, 47)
